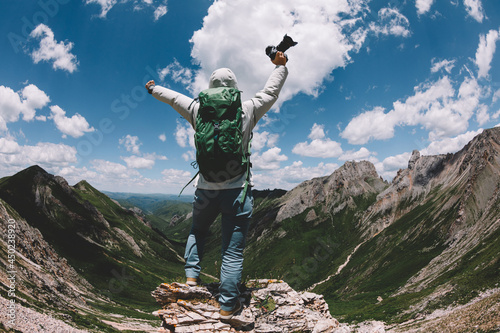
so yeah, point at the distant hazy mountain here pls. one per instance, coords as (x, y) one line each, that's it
(169, 214)
(146, 202)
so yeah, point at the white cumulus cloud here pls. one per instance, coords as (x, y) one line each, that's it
(482, 115)
(245, 28)
(496, 96)
(262, 139)
(74, 174)
(138, 160)
(106, 5)
(176, 178)
(113, 171)
(392, 164)
(59, 53)
(131, 143)
(374, 124)
(450, 145)
(359, 155)
(317, 132)
(475, 9)
(436, 106)
(160, 11)
(184, 135)
(26, 102)
(485, 52)
(9, 146)
(319, 146)
(76, 126)
(391, 22)
(160, 7)
(188, 156)
(446, 65)
(46, 153)
(147, 161)
(177, 73)
(15, 157)
(268, 160)
(142, 162)
(423, 6)
(291, 175)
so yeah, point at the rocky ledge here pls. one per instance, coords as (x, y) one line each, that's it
(268, 306)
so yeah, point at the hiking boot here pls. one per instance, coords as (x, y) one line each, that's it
(193, 282)
(226, 315)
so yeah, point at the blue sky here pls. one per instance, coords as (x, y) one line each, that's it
(368, 80)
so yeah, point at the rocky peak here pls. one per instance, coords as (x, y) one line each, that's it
(355, 170)
(84, 186)
(480, 151)
(415, 155)
(351, 179)
(268, 306)
(34, 169)
(461, 170)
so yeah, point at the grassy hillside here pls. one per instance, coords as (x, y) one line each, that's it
(383, 266)
(122, 257)
(303, 250)
(158, 262)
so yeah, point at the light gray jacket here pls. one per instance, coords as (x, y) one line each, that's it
(253, 109)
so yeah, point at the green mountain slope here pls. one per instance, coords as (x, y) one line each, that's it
(302, 235)
(391, 252)
(114, 249)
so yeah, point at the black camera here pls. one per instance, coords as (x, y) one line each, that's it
(284, 45)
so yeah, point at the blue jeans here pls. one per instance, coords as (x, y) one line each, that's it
(235, 222)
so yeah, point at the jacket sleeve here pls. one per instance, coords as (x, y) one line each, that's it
(184, 105)
(264, 99)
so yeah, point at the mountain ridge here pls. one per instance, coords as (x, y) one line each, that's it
(112, 251)
(394, 252)
(432, 231)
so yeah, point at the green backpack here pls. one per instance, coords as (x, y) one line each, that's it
(220, 154)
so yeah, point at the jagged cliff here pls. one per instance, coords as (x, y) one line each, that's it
(470, 177)
(462, 192)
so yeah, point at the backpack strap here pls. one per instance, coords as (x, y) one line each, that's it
(197, 100)
(188, 183)
(245, 188)
(247, 178)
